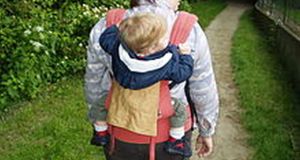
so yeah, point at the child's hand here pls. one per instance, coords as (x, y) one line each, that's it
(184, 48)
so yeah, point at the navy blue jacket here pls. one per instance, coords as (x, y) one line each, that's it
(178, 69)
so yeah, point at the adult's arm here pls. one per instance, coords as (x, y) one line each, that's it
(97, 77)
(202, 84)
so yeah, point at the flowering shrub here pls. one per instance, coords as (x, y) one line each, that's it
(43, 41)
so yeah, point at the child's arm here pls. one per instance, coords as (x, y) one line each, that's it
(182, 67)
(109, 40)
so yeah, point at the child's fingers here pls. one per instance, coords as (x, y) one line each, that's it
(184, 48)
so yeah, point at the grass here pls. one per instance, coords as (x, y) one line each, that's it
(206, 10)
(265, 93)
(54, 125)
(294, 15)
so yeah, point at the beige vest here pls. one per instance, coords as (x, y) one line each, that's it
(134, 110)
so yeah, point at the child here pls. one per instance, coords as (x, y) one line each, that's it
(141, 57)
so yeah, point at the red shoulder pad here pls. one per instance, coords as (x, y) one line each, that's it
(114, 16)
(182, 27)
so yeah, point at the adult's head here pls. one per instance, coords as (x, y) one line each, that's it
(173, 4)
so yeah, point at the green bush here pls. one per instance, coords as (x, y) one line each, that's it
(185, 5)
(43, 41)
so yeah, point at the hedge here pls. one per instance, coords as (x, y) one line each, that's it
(43, 42)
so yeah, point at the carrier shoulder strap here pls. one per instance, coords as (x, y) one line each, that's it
(114, 16)
(182, 27)
(180, 32)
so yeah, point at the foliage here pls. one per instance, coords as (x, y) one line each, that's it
(43, 41)
(185, 5)
(206, 10)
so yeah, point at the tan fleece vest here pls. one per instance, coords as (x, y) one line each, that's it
(135, 110)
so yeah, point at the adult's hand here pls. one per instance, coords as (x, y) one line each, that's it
(204, 146)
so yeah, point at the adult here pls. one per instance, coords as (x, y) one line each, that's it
(202, 85)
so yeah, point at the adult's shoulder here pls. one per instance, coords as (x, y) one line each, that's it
(198, 42)
(198, 30)
(97, 29)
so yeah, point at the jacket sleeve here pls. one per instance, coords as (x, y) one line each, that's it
(202, 84)
(182, 68)
(109, 40)
(97, 77)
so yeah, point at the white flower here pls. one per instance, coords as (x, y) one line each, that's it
(37, 45)
(27, 32)
(86, 13)
(86, 6)
(102, 14)
(38, 76)
(42, 36)
(80, 44)
(96, 10)
(39, 29)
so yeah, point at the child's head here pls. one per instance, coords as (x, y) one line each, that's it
(143, 32)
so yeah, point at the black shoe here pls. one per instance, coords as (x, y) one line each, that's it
(178, 146)
(100, 138)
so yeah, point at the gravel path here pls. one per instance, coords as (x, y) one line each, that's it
(230, 139)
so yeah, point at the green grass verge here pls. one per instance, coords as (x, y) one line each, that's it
(207, 10)
(265, 93)
(52, 127)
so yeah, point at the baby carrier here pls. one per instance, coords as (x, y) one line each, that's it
(131, 116)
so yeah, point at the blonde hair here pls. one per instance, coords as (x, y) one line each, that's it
(143, 31)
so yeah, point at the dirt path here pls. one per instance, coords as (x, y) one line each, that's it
(230, 138)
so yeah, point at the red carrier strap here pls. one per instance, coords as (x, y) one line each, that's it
(182, 27)
(114, 16)
(180, 32)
